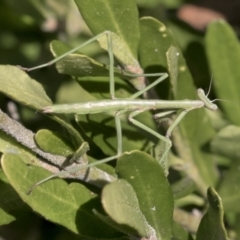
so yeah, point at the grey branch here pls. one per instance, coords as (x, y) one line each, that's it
(25, 137)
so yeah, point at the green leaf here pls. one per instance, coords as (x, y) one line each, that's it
(226, 142)
(236, 225)
(77, 93)
(11, 205)
(183, 187)
(212, 225)
(154, 43)
(121, 204)
(10, 145)
(58, 48)
(133, 138)
(147, 3)
(120, 17)
(179, 233)
(16, 84)
(171, 3)
(53, 143)
(223, 50)
(189, 220)
(99, 77)
(192, 199)
(152, 189)
(63, 120)
(120, 51)
(229, 189)
(76, 64)
(79, 65)
(68, 205)
(82, 66)
(172, 61)
(157, 41)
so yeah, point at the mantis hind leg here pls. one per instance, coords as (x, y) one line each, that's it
(112, 94)
(166, 139)
(67, 53)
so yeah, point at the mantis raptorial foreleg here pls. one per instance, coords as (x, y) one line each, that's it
(131, 104)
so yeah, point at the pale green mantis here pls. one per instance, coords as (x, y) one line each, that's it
(132, 104)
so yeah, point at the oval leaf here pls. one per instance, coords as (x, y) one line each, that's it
(230, 190)
(120, 202)
(226, 142)
(183, 187)
(152, 189)
(120, 17)
(11, 205)
(16, 84)
(53, 143)
(157, 49)
(223, 50)
(67, 205)
(79, 65)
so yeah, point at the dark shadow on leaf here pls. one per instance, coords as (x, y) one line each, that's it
(10, 201)
(109, 132)
(162, 89)
(90, 225)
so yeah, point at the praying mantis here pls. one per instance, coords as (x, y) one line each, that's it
(132, 104)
